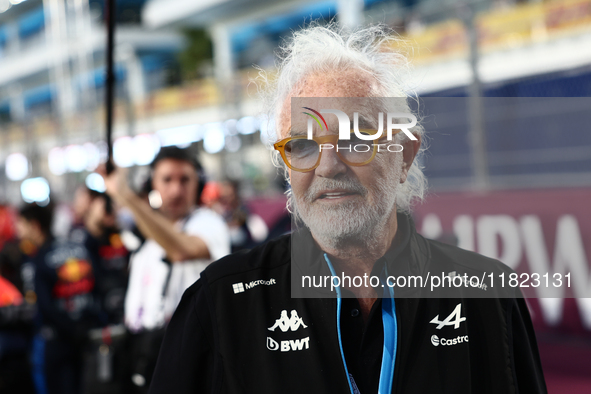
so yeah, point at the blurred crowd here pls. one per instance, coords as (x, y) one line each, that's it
(83, 308)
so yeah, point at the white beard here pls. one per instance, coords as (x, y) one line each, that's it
(352, 222)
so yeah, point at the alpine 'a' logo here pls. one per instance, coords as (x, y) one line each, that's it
(286, 323)
(454, 319)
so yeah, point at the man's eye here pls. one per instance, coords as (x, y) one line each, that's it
(300, 147)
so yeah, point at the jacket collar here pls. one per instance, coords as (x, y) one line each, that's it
(407, 256)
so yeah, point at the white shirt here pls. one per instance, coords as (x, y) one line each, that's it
(145, 308)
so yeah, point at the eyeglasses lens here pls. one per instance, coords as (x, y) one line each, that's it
(302, 154)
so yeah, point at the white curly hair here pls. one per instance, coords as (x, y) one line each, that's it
(321, 49)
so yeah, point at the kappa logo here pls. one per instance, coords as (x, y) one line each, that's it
(454, 319)
(286, 323)
(240, 287)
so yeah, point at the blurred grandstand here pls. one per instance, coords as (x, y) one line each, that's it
(51, 78)
(183, 69)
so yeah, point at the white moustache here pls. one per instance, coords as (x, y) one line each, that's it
(348, 185)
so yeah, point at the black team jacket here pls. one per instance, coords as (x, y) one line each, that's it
(241, 329)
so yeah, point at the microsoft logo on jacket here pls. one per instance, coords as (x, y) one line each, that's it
(241, 287)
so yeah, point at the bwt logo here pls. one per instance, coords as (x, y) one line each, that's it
(345, 124)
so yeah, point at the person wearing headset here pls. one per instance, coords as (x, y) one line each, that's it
(181, 240)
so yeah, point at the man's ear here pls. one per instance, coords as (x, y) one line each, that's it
(409, 152)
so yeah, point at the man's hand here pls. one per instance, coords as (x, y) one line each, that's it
(116, 184)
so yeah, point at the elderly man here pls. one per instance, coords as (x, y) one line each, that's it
(267, 321)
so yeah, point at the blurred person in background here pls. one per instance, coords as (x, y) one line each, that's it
(106, 361)
(16, 312)
(80, 204)
(252, 324)
(67, 307)
(181, 240)
(101, 237)
(11, 253)
(15, 337)
(6, 224)
(246, 229)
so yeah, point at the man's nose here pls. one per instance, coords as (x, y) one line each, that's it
(331, 164)
(176, 188)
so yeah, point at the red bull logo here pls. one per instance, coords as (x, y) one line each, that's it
(74, 277)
